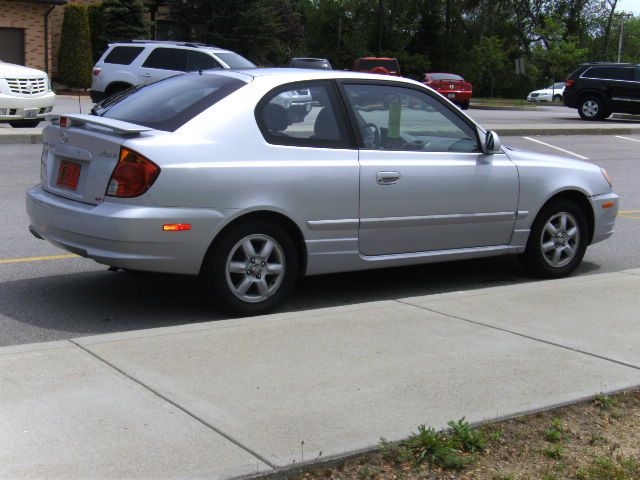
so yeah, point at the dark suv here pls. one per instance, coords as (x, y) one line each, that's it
(599, 89)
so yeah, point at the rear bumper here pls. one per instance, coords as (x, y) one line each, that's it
(18, 108)
(125, 236)
(604, 215)
(456, 96)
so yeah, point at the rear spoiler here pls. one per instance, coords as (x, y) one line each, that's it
(117, 126)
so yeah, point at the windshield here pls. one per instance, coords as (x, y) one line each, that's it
(234, 60)
(170, 103)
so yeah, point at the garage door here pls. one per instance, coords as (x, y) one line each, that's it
(12, 45)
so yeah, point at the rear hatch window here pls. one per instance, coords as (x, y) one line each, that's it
(169, 104)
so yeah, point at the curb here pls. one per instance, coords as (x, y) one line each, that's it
(20, 138)
(555, 131)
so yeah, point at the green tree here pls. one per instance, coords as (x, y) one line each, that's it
(123, 20)
(490, 60)
(96, 22)
(74, 58)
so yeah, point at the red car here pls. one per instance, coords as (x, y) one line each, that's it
(452, 86)
(380, 65)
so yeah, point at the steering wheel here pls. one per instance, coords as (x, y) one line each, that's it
(377, 137)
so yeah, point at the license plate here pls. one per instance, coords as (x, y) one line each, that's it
(68, 175)
(31, 113)
(451, 95)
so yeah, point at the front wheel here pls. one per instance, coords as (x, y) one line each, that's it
(558, 240)
(251, 269)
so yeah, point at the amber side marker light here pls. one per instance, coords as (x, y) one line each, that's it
(608, 204)
(176, 227)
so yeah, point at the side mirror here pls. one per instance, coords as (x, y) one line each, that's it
(492, 143)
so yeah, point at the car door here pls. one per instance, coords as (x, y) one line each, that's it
(425, 185)
(163, 63)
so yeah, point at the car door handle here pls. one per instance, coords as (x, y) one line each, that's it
(387, 178)
(146, 75)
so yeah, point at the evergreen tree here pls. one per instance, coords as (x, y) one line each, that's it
(74, 58)
(123, 20)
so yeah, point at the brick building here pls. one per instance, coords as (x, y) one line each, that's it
(30, 30)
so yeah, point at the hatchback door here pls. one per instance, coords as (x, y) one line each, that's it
(424, 183)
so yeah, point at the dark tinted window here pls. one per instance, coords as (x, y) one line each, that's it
(169, 104)
(234, 60)
(200, 61)
(302, 115)
(167, 59)
(123, 55)
(610, 73)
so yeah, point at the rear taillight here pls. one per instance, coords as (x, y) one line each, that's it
(569, 83)
(133, 175)
(97, 71)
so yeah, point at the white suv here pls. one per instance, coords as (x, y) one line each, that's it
(140, 62)
(25, 95)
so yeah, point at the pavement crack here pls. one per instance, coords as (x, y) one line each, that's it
(523, 335)
(175, 404)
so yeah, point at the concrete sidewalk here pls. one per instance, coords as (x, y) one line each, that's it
(245, 397)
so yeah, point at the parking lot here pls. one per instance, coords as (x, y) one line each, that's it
(48, 294)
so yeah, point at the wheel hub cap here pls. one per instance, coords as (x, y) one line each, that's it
(560, 240)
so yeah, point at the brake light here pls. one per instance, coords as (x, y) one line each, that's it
(97, 71)
(133, 175)
(64, 122)
(569, 83)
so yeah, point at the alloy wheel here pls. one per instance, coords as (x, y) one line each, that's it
(560, 239)
(255, 268)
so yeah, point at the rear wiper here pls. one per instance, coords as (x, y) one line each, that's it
(104, 105)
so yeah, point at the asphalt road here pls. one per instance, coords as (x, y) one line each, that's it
(44, 295)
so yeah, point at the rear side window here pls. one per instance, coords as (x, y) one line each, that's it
(167, 59)
(123, 55)
(302, 115)
(610, 73)
(170, 103)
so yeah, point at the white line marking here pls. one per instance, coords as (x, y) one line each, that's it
(627, 138)
(557, 148)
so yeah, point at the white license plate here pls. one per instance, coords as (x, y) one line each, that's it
(32, 113)
(451, 95)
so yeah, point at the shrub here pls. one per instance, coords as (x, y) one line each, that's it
(74, 58)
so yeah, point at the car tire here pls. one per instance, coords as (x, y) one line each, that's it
(591, 108)
(557, 241)
(465, 105)
(557, 98)
(236, 272)
(25, 123)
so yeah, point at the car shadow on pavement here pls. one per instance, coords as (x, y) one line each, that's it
(90, 303)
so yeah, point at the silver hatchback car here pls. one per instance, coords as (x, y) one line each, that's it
(206, 174)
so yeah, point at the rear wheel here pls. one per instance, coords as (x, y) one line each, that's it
(558, 240)
(557, 98)
(591, 108)
(25, 123)
(251, 269)
(464, 105)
